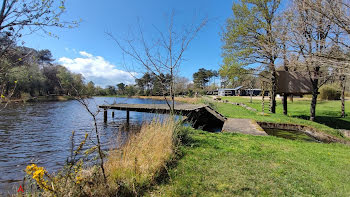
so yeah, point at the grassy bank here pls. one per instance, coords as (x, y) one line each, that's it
(225, 164)
(328, 114)
(130, 170)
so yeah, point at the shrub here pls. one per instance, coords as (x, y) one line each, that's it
(329, 92)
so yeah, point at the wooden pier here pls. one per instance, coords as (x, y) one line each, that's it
(199, 115)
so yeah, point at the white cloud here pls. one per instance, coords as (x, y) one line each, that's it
(85, 54)
(97, 69)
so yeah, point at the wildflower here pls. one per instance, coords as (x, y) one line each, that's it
(79, 179)
(37, 174)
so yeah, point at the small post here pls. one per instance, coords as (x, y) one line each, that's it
(112, 114)
(127, 117)
(285, 105)
(105, 115)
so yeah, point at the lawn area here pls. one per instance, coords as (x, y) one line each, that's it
(227, 164)
(327, 112)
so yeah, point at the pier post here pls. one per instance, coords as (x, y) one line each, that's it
(127, 117)
(112, 114)
(105, 115)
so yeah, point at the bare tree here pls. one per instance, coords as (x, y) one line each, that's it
(163, 55)
(283, 25)
(181, 85)
(31, 15)
(311, 34)
(337, 11)
(85, 103)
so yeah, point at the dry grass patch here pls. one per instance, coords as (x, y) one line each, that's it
(193, 100)
(142, 158)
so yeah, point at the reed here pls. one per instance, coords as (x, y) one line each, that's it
(136, 165)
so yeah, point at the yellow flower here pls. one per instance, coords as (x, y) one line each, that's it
(31, 168)
(78, 179)
(38, 175)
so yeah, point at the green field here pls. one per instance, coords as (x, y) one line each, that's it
(327, 113)
(227, 164)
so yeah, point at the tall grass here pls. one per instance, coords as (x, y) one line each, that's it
(136, 165)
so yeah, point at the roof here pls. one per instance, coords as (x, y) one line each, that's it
(224, 89)
(293, 83)
(253, 89)
(236, 88)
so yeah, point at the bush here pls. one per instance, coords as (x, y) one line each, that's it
(329, 92)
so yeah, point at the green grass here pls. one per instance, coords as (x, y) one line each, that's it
(328, 113)
(226, 164)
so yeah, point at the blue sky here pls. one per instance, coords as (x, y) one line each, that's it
(88, 50)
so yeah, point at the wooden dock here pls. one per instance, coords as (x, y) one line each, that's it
(201, 116)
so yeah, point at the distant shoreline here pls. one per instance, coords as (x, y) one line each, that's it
(41, 99)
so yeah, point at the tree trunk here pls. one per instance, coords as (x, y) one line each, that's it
(251, 95)
(343, 80)
(314, 82)
(273, 92)
(285, 107)
(172, 92)
(314, 100)
(313, 105)
(263, 100)
(285, 96)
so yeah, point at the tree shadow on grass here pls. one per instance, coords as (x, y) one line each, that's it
(333, 122)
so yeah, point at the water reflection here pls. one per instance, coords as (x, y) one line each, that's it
(40, 133)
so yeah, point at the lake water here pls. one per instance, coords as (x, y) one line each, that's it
(40, 133)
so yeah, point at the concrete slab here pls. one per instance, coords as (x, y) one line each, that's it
(244, 126)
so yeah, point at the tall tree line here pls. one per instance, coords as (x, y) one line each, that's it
(34, 73)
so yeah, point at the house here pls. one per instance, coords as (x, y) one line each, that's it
(213, 92)
(230, 91)
(254, 92)
(240, 91)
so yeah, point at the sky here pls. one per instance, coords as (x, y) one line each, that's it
(88, 49)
